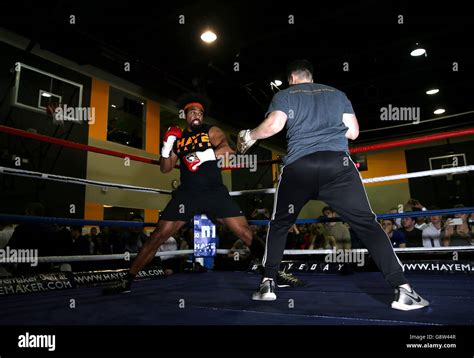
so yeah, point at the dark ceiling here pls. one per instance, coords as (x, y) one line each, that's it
(169, 58)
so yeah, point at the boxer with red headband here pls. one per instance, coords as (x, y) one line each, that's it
(202, 190)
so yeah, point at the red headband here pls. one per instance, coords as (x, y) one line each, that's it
(194, 104)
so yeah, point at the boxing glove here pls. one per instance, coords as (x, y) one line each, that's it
(171, 134)
(195, 159)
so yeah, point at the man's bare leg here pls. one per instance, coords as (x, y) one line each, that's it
(164, 229)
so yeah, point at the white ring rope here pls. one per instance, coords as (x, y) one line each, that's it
(83, 258)
(425, 173)
(60, 178)
(72, 180)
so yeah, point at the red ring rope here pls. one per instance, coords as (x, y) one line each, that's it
(366, 148)
(69, 144)
(422, 139)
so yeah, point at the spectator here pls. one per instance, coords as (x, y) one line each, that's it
(432, 232)
(306, 240)
(170, 263)
(244, 251)
(134, 238)
(397, 221)
(412, 234)
(320, 239)
(413, 203)
(93, 233)
(80, 243)
(470, 223)
(63, 241)
(260, 214)
(34, 236)
(457, 234)
(294, 239)
(187, 238)
(102, 245)
(420, 220)
(396, 237)
(337, 230)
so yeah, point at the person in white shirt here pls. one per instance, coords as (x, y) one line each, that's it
(431, 233)
(168, 245)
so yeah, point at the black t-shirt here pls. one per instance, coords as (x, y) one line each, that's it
(208, 174)
(413, 238)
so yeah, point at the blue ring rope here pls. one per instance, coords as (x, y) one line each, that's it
(118, 223)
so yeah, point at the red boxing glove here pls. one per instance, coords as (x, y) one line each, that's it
(173, 131)
(194, 160)
(191, 161)
(171, 135)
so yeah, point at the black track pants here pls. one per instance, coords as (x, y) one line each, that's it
(333, 178)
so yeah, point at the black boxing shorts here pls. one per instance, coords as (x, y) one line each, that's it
(215, 203)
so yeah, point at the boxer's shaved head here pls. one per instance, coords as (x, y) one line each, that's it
(303, 69)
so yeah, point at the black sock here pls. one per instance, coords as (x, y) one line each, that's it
(257, 248)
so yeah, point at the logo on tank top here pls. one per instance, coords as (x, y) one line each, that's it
(198, 142)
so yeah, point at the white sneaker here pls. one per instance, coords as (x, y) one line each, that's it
(266, 291)
(406, 301)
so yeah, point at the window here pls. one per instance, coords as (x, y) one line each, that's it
(119, 213)
(126, 122)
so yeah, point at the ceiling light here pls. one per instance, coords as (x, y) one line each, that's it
(418, 51)
(44, 94)
(432, 91)
(439, 111)
(278, 82)
(114, 106)
(108, 206)
(208, 36)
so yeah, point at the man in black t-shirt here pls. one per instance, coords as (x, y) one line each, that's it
(413, 236)
(319, 120)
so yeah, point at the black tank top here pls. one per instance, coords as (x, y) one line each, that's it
(208, 174)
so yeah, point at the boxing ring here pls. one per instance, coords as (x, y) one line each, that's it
(223, 297)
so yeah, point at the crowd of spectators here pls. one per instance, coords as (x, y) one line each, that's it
(59, 240)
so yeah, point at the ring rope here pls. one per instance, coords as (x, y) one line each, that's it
(367, 148)
(87, 258)
(72, 180)
(82, 222)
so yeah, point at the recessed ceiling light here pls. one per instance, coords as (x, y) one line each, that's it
(432, 91)
(208, 36)
(418, 51)
(114, 106)
(44, 94)
(439, 111)
(278, 82)
(143, 103)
